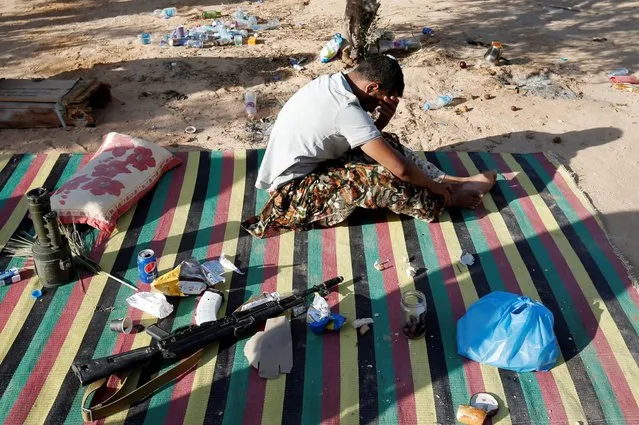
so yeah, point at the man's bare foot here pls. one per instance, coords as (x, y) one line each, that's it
(482, 182)
(465, 198)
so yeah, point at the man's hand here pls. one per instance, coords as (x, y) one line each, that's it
(441, 189)
(387, 106)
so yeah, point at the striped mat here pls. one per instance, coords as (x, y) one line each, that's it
(536, 235)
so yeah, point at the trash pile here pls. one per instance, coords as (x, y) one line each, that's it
(623, 80)
(241, 29)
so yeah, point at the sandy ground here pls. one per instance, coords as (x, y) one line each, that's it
(159, 91)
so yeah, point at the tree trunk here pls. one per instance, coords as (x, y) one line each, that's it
(359, 17)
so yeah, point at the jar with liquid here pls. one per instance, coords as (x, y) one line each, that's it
(413, 314)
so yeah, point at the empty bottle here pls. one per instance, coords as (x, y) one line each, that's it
(250, 104)
(399, 44)
(272, 24)
(331, 48)
(166, 13)
(438, 103)
(195, 44)
(225, 36)
(619, 72)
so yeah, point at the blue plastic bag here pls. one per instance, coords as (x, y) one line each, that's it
(510, 332)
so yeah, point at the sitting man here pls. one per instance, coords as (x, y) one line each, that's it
(327, 157)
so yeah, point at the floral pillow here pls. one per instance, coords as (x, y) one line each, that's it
(122, 171)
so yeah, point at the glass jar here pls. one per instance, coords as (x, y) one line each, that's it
(413, 307)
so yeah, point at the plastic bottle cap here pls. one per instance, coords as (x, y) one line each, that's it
(36, 293)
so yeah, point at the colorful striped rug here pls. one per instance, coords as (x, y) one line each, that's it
(536, 235)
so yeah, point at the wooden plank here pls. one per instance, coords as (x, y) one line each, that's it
(29, 117)
(45, 91)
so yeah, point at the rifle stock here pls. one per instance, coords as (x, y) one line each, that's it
(100, 368)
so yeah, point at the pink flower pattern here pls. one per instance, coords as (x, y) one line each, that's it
(141, 158)
(75, 182)
(111, 169)
(119, 151)
(104, 185)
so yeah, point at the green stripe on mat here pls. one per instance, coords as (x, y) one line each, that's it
(45, 327)
(313, 372)
(239, 379)
(160, 402)
(528, 381)
(387, 398)
(108, 338)
(612, 277)
(71, 167)
(454, 363)
(16, 177)
(602, 386)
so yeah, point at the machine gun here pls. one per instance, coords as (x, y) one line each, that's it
(51, 250)
(189, 339)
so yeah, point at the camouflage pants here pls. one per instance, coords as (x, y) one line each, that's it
(328, 195)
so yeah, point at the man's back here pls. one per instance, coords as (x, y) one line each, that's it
(319, 123)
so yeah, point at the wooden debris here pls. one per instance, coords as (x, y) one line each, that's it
(51, 103)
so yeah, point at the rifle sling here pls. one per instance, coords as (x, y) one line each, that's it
(123, 397)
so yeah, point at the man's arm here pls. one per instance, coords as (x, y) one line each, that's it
(403, 168)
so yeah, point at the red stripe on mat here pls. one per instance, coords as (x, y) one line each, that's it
(472, 370)
(606, 355)
(21, 188)
(15, 291)
(31, 390)
(256, 390)
(547, 384)
(182, 389)
(404, 391)
(157, 244)
(331, 346)
(586, 217)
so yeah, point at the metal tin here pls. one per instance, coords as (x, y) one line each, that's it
(147, 266)
(485, 401)
(493, 54)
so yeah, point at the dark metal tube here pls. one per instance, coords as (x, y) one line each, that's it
(51, 223)
(39, 205)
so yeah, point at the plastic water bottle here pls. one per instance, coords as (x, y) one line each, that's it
(272, 24)
(331, 48)
(438, 103)
(399, 44)
(250, 104)
(166, 13)
(198, 44)
(225, 36)
(619, 72)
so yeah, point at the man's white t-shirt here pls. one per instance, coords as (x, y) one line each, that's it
(320, 122)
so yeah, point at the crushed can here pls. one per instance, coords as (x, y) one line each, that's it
(147, 266)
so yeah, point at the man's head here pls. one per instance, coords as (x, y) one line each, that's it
(376, 77)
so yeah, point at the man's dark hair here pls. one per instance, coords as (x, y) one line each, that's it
(384, 70)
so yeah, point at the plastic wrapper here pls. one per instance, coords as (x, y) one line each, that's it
(168, 283)
(320, 318)
(153, 303)
(214, 272)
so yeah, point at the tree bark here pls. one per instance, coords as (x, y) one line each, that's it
(359, 16)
